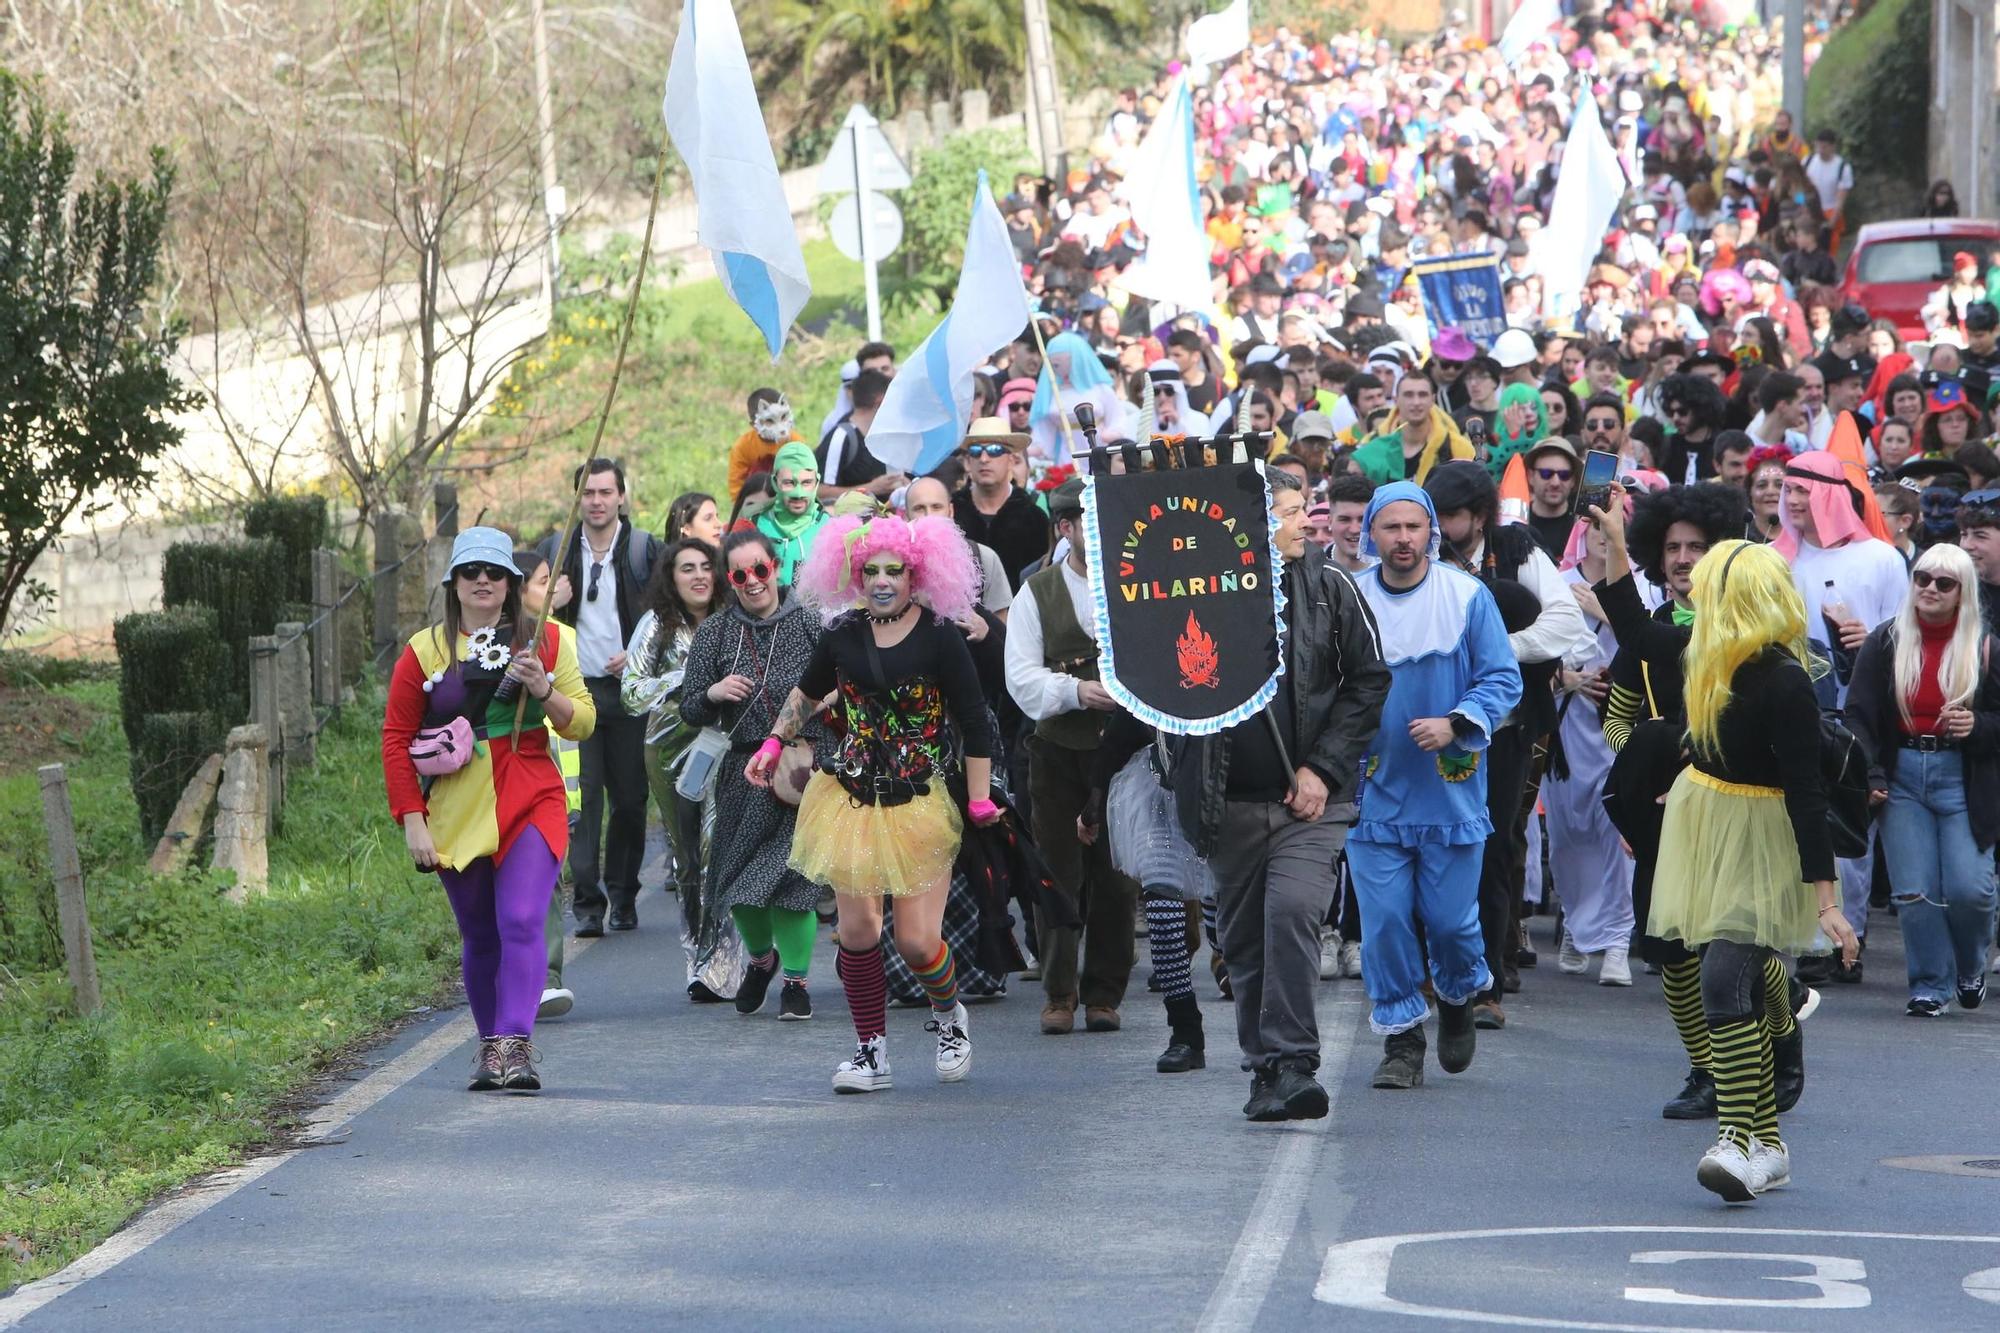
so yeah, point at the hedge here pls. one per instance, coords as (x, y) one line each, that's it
(299, 524)
(237, 580)
(169, 661)
(171, 746)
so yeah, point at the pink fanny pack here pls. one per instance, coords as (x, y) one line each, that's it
(436, 751)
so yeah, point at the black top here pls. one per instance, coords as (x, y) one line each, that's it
(1018, 533)
(1651, 639)
(1769, 736)
(1258, 769)
(1551, 534)
(857, 467)
(1871, 714)
(898, 722)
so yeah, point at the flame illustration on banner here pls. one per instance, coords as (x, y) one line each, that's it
(1198, 660)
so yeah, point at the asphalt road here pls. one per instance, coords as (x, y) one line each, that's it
(690, 1167)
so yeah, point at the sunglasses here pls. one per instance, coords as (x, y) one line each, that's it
(757, 573)
(1676, 410)
(986, 451)
(596, 576)
(479, 569)
(1554, 473)
(872, 570)
(1923, 578)
(1601, 423)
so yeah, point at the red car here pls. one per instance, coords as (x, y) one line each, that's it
(1896, 266)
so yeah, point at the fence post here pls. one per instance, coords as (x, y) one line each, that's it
(295, 703)
(242, 812)
(388, 549)
(265, 713)
(71, 912)
(444, 503)
(326, 678)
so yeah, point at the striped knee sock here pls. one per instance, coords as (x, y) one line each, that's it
(1682, 983)
(1208, 925)
(1166, 927)
(939, 979)
(867, 989)
(1777, 999)
(1745, 1099)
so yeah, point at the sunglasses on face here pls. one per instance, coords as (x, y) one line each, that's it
(1676, 410)
(872, 570)
(481, 570)
(1923, 578)
(1554, 473)
(757, 573)
(985, 451)
(1601, 423)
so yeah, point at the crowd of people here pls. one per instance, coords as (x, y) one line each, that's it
(1712, 707)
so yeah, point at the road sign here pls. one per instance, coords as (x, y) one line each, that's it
(885, 227)
(884, 169)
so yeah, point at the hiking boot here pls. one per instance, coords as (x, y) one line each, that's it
(1456, 1037)
(1264, 1103)
(794, 1005)
(1487, 1015)
(1695, 1100)
(1101, 1018)
(1185, 1045)
(518, 1058)
(1402, 1060)
(1298, 1094)
(1788, 1066)
(756, 985)
(1059, 1015)
(486, 1069)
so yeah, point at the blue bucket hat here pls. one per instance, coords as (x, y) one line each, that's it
(488, 546)
(1388, 495)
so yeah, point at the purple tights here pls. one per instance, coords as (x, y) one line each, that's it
(501, 909)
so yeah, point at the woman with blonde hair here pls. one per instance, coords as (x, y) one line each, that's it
(1745, 833)
(1925, 704)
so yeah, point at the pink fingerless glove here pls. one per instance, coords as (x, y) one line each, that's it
(982, 811)
(770, 750)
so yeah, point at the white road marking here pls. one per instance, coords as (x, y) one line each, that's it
(155, 1224)
(1267, 1232)
(1356, 1273)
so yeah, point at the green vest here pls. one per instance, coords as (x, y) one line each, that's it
(1067, 650)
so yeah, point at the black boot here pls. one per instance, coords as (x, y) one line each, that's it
(1696, 1100)
(1456, 1036)
(1402, 1060)
(1184, 1041)
(1788, 1065)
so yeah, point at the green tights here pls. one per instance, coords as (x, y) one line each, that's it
(791, 933)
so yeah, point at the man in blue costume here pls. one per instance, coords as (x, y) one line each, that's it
(1415, 850)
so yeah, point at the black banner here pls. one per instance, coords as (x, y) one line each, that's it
(1187, 604)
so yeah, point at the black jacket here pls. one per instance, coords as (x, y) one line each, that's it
(1871, 714)
(1018, 533)
(635, 569)
(1333, 654)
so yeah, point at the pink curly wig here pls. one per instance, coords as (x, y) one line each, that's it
(944, 574)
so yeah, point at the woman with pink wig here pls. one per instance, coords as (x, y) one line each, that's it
(880, 821)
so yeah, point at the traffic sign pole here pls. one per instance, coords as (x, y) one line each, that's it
(871, 284)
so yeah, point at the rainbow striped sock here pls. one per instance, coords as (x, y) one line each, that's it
(940, 979)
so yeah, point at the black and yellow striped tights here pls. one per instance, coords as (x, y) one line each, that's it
(1738, 1053)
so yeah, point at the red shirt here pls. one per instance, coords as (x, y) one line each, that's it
(1927, 699)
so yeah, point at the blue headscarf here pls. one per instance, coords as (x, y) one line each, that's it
(1086, 372)
(1388, 495)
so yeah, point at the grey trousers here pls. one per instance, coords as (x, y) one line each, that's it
(1274, 883)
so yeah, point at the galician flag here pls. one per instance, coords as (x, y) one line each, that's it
(1588, 189)
(1530, 24)
(1213, 38)
(713, 117)
(929, 404)
(1166, 207)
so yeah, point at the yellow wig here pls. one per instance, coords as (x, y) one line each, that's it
(1744, 603)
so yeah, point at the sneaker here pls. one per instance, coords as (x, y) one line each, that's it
(1696, 1099)
(1032, 972)
(518, 1058)
(486, 1069)
(1457, 1037)
(1970, 996)
(1616, 969)
(1726, 1170)
(1350, 958)
(868, 1071)
(1805, 1002)
(1772, 1162)
(1402, 1061)
(1571, 959)
(1329, 955)
(756, 985)
(954, 1053)
(1924, 1008)
(556, 1001)
(1298, 1094)
(699, 993)
(1264, 1103)
(794, 1005)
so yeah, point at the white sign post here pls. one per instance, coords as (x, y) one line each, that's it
(866, 227)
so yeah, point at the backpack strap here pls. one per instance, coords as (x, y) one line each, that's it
(639, 556)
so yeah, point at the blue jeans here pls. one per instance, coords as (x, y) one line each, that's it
(1943, 881)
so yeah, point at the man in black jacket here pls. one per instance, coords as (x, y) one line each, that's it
(604, 604)
(1269, 802)
(992, 510)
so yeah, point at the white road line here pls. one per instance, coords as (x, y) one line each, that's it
(157, 1223)
(1267, 1232)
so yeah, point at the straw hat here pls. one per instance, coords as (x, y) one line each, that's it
(993, 430)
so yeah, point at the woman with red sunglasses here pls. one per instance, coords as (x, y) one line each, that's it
(741, 667)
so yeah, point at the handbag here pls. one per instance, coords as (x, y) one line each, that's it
(1844, 769)
(437, 751)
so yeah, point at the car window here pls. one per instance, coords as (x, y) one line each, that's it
(1918, 259)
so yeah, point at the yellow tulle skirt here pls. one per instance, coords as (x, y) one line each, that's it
(872, 851)
(1729, 868)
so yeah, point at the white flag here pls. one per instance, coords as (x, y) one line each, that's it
(1530, 24)
(715, 122)
(1214, 38)
(1166, 208)
(924, 416)
(1588, 189)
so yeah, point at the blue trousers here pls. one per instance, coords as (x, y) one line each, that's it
(1943, 879)
(1398, 887)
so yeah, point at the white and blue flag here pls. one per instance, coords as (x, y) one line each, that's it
(929, 404)
(716, 124)
(1166, 208)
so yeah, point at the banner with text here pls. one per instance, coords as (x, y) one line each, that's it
(1463, 292)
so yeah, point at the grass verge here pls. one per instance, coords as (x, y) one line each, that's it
(213, 1014)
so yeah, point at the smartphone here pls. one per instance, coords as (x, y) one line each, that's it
(1600, 469)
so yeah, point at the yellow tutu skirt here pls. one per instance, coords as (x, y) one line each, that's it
(1729, 868)
(872, 851)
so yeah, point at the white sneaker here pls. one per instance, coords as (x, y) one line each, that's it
(1772, 1162)
(556, 1001)
(1726, 1170)
(868, 1071)
(1350, 958)
(1616, 969)
(1329, 954)
(1808, 1006)
(1570, 958)
(954, 1053)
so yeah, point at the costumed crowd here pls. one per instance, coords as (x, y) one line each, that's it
(1710, 707)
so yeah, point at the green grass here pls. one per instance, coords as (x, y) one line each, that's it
(214, 1014)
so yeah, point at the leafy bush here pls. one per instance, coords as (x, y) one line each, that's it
(168, 662)
(1872, 86)
(299, 524)
(938, 204)
(234, 579)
